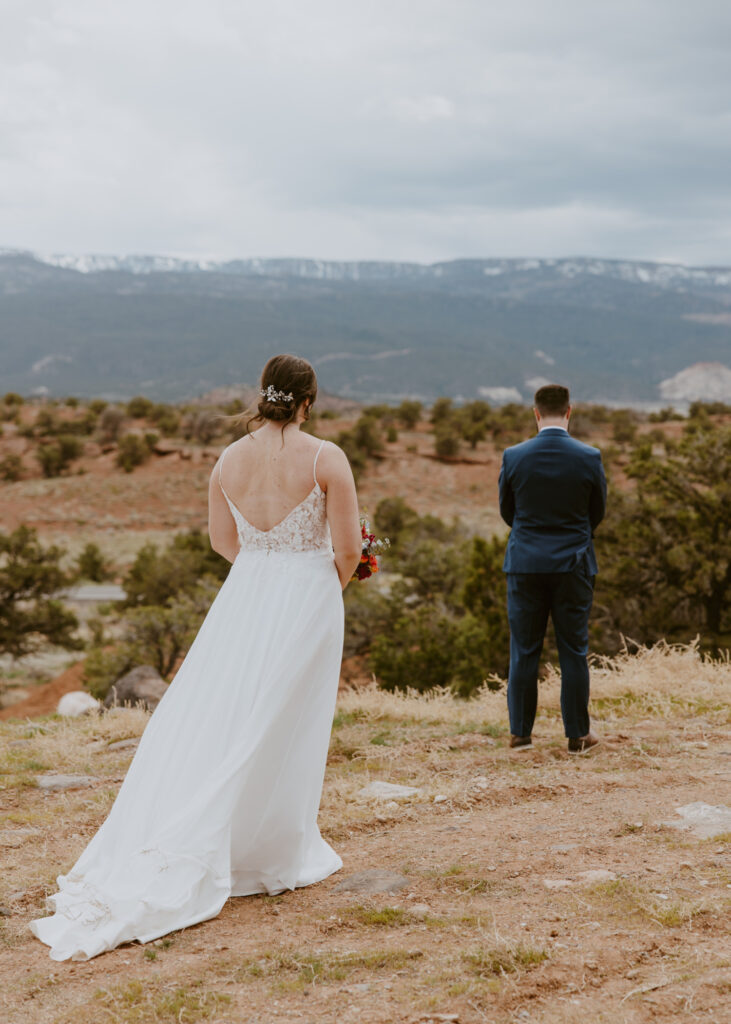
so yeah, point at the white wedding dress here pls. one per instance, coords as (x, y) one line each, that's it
(222, 796)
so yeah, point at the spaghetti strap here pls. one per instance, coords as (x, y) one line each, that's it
(220, 467)
(314, 464)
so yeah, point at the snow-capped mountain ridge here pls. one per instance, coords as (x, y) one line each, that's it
(659, 275)
(615, 330)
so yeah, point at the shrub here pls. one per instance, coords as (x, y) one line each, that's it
(150, 635)
(10, 412)
(443, 621)
(367, 615)
(409, 413)
(581, 425)
(394, 519)
(202, 425)
(663, 549)
(45, 423)
(378, 412)
(165, 418)
(473, 431)
(512, 422)
(473, 420)
(310, 426)
(83, 425)
(168, 594)
(416, 652)
(426, 647)
(665, 415)
(624, 426)
(11, 468)
(446, 439)
(699, 410)
(91, 564)
(111, 420)
(58, 455)
(29, 577)
(155, 577)
(367, 436)
(442, 409)
(364, 440)
(139, 407)
(595, 414)
(132, 451)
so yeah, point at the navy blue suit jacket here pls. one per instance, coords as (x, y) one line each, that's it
(553, 494)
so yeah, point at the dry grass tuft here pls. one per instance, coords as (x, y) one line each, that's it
(645, 681)
(377, 917)
(149, 1002)
(438, 707)
(503, 959)
(298, 969)
(630, 898)
(658, 680)
(66, 744)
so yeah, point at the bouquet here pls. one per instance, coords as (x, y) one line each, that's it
(371, 547)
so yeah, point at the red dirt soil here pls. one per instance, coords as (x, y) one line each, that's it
(44, 700)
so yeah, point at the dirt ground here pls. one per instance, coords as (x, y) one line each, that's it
(497, 921)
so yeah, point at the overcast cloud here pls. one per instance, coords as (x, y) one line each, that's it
(416, 130)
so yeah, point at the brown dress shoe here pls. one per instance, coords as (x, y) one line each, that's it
(583, 743)
(521, 742)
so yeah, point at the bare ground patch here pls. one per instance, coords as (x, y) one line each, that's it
(477, 934)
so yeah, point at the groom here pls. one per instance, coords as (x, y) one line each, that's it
(553, 494)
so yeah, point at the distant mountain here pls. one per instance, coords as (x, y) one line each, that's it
(120, 325)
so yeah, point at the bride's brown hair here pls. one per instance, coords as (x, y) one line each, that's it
(286, 382)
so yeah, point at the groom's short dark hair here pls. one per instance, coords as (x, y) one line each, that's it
(552, 400)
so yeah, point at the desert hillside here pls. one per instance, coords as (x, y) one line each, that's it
(92, 499)
(169, 492)
(489, 885)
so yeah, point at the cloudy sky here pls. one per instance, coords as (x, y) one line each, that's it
(392, 129)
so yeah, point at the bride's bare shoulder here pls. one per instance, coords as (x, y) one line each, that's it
(231, 452)
(332, 460)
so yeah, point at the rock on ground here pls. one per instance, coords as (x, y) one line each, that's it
(128, 744)
(387, 790)
(56, 782)
(76, 703)
(582, 878)
(142, 685)
(703, 820)
(373, 880)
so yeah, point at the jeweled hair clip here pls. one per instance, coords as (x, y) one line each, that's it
(273, 395)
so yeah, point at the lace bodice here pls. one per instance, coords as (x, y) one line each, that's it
(304, 528)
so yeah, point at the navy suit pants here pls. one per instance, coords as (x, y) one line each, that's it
(566, 597)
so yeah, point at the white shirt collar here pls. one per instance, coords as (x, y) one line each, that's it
(552, 426)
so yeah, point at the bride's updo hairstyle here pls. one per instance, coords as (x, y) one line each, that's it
(286, 382)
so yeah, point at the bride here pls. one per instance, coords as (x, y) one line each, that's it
(222, 796)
